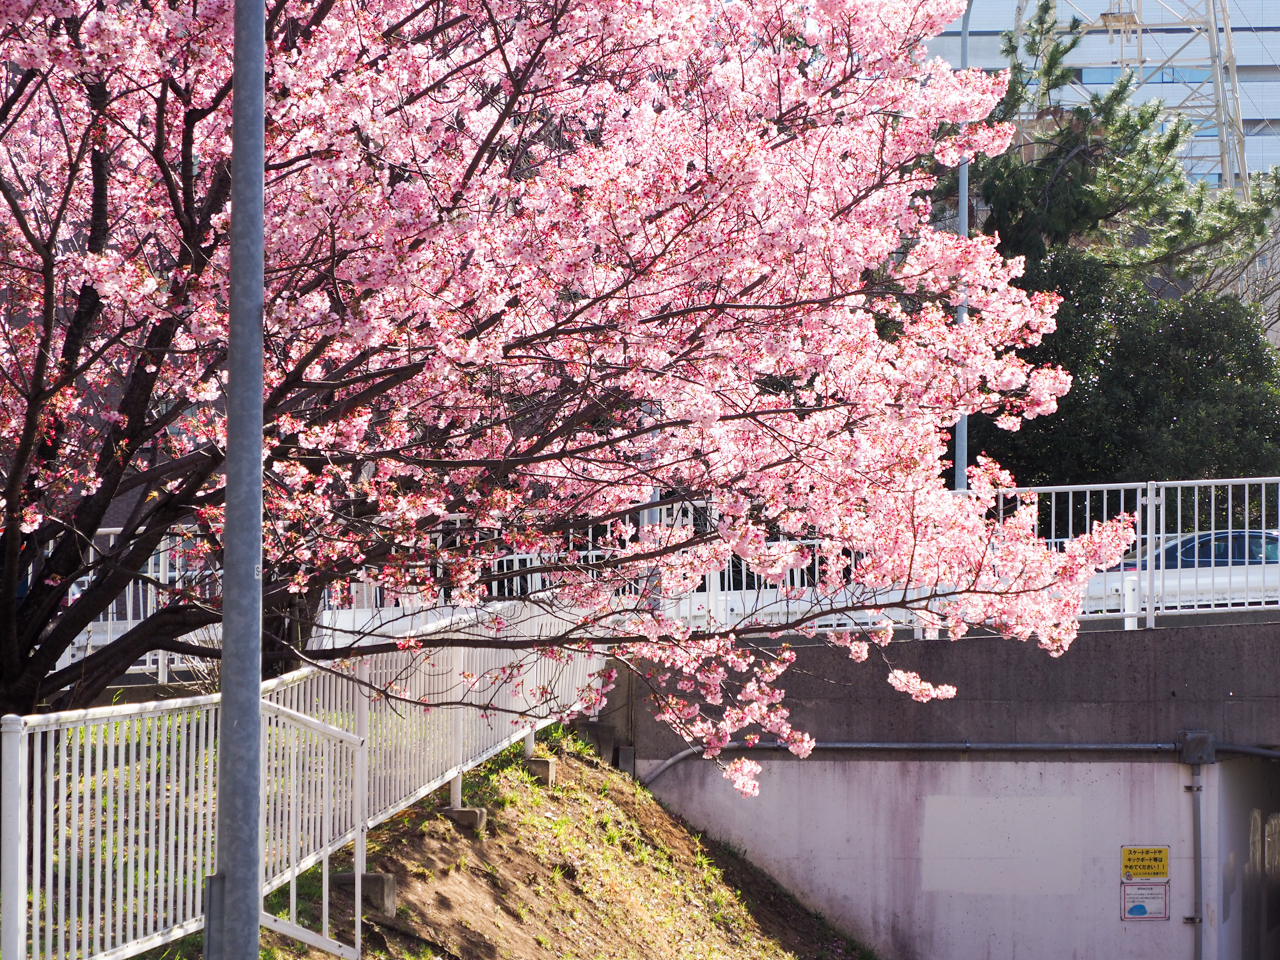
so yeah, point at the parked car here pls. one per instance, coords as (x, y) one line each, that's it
(1221, 548)
(1195, 571)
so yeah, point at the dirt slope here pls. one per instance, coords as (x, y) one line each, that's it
(590, 868)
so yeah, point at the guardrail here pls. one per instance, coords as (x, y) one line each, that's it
(1222, 518)
(1202, 545)
(107, 816)
(346, 614)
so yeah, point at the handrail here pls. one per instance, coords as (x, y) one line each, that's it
(124, 796)
(40, 721)
(1161, 511)
(315, 726)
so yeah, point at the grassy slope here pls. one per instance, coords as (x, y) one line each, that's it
(589, 869)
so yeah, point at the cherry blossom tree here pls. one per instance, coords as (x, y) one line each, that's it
(541, 274)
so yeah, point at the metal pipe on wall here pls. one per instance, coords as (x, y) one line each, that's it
(960, 746)
(965, 746)
(1197, 918)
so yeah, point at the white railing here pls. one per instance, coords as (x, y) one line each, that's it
(308, 811)
(107, 816)
(140, 599)
(1224, 536)
(314, 795)
(1202, 545)
(736, 595)
(111, 854)
(1066, 512)
(1231, 515)
(358, 610)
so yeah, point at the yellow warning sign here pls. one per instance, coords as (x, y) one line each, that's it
(1144, 863)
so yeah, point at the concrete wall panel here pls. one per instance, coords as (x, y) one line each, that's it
(965, 860)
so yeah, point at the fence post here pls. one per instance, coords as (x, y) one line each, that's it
(1152, 528)
(13, 839)
(455, 785)
(1129, 603)
(713, 583)
(361, 798)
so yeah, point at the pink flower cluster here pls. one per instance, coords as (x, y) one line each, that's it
(546, 278)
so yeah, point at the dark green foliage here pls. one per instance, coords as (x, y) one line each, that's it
(1163, 389)
(1096, 199)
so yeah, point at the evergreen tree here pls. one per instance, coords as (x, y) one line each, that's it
(1104, 174)
(1096, 200)
(1162, 389)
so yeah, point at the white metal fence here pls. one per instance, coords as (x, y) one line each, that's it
(117, 817)
(1202, 546)
(107, 816)
(347, 614)
(1235, 523)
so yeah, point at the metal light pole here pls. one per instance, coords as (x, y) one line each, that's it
(234, 905)
(962, 425)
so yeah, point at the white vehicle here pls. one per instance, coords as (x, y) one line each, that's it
(1220, 568)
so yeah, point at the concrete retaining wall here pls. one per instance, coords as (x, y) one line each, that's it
(1140, 686)
(957, 856)
(980, 860)
(995, 860)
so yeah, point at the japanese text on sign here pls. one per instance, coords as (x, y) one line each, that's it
(1144, 901)
(1144, 863)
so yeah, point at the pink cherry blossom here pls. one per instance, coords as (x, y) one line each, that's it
(585, 303)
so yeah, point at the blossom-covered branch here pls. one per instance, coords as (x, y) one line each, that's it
(542, 275)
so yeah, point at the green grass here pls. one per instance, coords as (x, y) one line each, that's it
(310, 890)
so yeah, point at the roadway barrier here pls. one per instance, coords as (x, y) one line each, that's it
(1202, 545)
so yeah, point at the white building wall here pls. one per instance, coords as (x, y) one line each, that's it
(972, 859)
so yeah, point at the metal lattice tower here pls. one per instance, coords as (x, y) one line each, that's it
(1181, 52)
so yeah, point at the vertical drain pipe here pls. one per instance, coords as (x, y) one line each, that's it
(1197, 919)
(1196, 748)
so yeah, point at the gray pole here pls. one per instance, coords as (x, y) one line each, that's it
(235, 902)
(962, 425)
